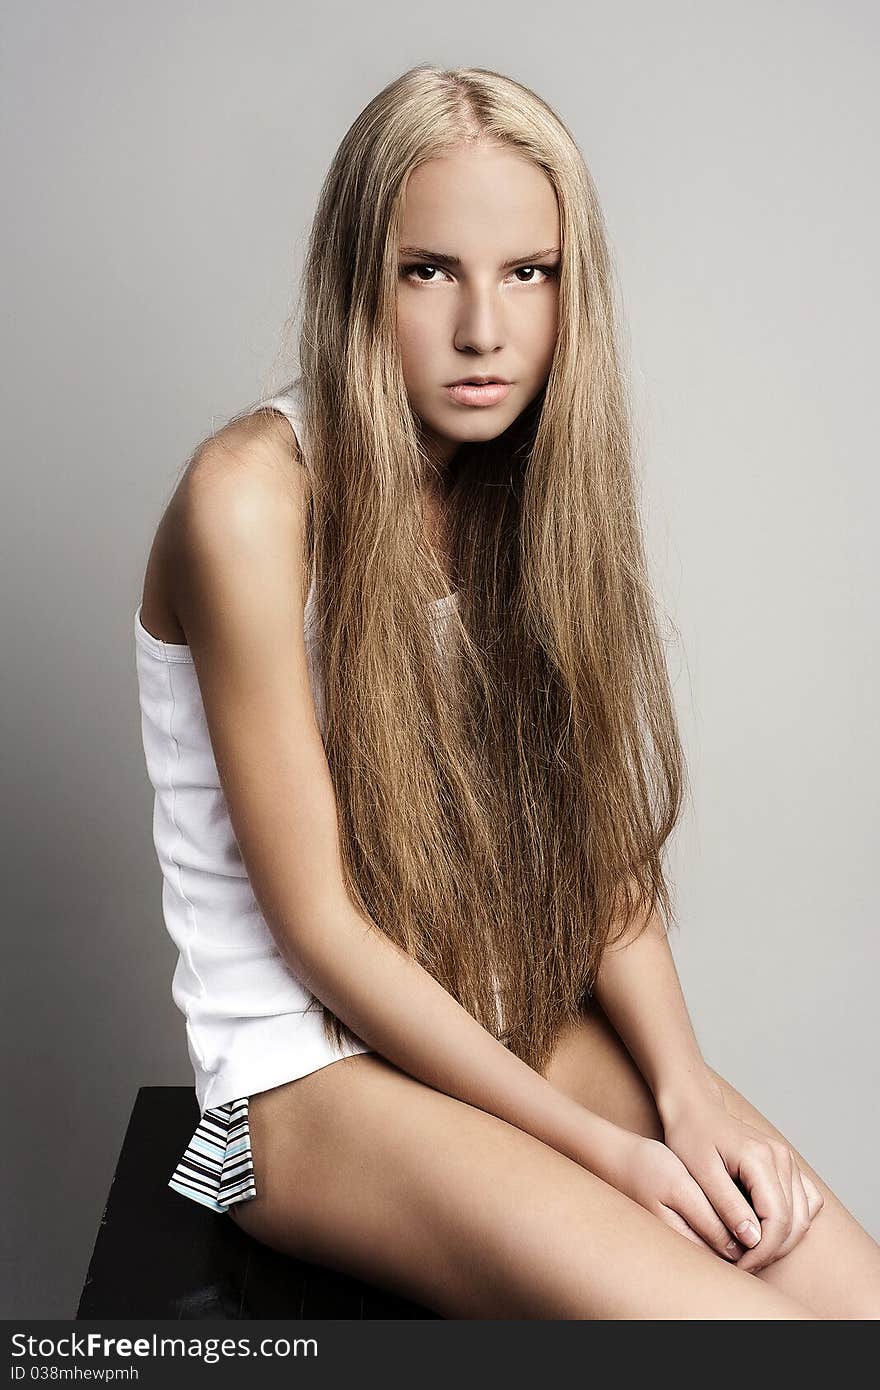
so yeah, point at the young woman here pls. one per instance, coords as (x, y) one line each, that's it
(407, 716)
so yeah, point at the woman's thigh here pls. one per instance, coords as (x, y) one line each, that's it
(363, 1168)
(835, 1267)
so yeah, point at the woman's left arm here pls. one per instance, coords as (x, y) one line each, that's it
(639, 991)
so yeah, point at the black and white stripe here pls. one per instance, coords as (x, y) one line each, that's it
(217, 1168)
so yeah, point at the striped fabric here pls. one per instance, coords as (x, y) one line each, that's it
(217, 1168)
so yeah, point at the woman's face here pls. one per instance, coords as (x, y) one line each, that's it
(477, 289)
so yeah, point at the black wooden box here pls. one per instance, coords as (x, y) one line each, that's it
(159, 1255)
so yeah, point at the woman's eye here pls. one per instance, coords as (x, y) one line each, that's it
(409, 272)
(546, 270)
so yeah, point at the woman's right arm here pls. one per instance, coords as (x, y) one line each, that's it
(239, 595)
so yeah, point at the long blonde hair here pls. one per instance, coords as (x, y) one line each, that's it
(503, 809)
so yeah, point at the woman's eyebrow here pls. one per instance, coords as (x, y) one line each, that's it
(441, 258)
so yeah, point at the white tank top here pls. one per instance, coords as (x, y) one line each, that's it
(247, 1028)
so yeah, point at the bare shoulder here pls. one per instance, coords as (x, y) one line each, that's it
(245, 487)
(254, 455)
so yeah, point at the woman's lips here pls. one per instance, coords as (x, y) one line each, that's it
(469, 394)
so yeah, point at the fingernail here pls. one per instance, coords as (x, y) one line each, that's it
(733, 1250)
(748, 1233)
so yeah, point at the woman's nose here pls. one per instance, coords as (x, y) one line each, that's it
(480, 325)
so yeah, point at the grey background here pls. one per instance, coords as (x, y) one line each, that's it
(161, 164)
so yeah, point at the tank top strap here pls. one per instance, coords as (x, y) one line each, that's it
(289, 402)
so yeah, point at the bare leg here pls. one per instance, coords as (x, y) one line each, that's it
(834, 1269)
(362, 1168)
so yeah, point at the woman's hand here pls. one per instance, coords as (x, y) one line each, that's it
(734, 1165)
(649, 1172)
